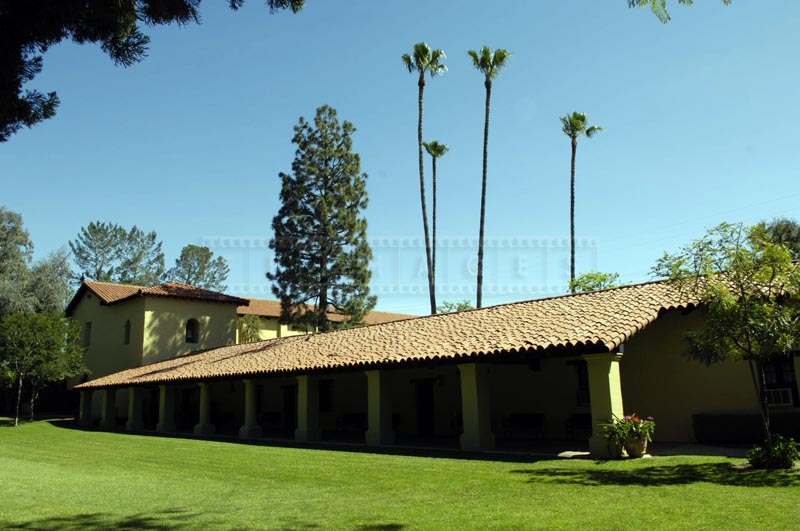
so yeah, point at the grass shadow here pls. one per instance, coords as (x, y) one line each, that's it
(167, 519)
(660, 475)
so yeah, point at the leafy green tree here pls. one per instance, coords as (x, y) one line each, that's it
(248, 328)
(142, 258)
(30, 28)
(97, 250)
(423, 61)
(594, 281)
(436, 150)
(489, 63)
(743, 281)
(16, 250)
(786, 232)
(108, 252)
(49, 286)
(455, 306)
(198, 267)
(575, 126)
(320, 233)
(659, 7)
(36, 349)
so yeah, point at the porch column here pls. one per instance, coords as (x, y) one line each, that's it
(797, 371)
(605, 396)
(204, 426)
(108, 419)
(250, 429)
(85, 410)
(379, 409)
(307, 409)
(166, 409)
(475, 410)
(135, 420)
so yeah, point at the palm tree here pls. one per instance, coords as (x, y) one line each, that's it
(436, 150)
(424, 60)
(489, 64)
(574, 126)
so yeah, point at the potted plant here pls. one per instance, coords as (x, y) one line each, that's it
(631, 433)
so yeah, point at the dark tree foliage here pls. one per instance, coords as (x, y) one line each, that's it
(198, 267)
(29, 27)
(110, 253)
(786, 232)
(320, 241)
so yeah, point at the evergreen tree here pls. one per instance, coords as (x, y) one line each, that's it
(142, 258)
(108, 252)
(320, 234)
(29, 28)
(16, 250)
(97, 250)
(198, 267)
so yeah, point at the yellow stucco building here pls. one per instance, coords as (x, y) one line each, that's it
(507, 376)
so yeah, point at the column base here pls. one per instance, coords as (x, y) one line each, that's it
(250, 432)
(162, 427)
(376, 438)
(306, 435)
(134, 425)
(204, 429)
(484, 442)
(110, 424)
(600, 449)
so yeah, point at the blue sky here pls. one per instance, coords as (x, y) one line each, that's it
(700, 120)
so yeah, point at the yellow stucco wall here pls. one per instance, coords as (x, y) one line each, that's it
(165, 326)
(107, 351)
(270, 328)
(659, 380)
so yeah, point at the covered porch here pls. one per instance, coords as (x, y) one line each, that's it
(508, 402)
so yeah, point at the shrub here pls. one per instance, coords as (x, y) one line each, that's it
(782, 453)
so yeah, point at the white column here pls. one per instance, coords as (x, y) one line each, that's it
(250, 429)
(204, 426)
(85, 411)
(605, 396)
(108, 420)
(166, 409)
(307, 409)
(379, 409)
(475, 410)
(135, 421)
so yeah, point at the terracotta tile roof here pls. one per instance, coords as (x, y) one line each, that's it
(112, 293)
(268, 308)
(601, 320)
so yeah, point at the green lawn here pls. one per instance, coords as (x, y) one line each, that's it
(54, 477)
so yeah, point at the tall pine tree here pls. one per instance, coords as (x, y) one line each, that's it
(320, 241)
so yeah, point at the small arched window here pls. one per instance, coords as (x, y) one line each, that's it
(192, 331)
(127, 336)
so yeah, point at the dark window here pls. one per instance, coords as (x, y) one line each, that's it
(326, 396)
(87, 334)
(780, 382)
(127, 337)
(583, 383)
(192, 331)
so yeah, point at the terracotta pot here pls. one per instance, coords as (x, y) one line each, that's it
(636, 447)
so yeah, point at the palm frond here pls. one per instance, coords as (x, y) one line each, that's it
(593, 130)
(476, 62)
(499, 60)
(408, 63)
(436, 149)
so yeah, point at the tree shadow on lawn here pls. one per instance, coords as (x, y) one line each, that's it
(168, 519)
(660, 475)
